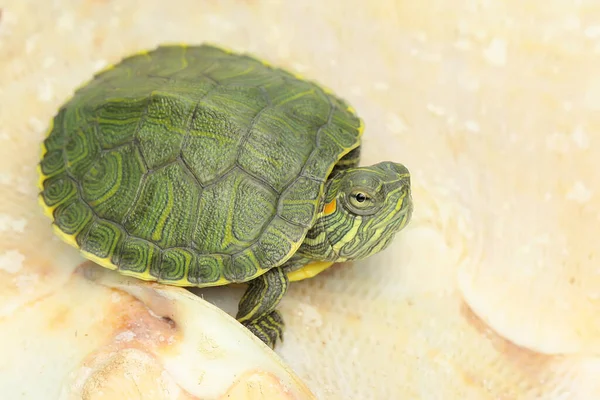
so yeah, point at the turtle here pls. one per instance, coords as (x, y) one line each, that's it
(198, 166)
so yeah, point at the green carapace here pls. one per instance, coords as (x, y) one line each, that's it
(196, 166)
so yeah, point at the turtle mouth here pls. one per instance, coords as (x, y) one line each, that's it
(408, 211)
(404, 208)
(404, 202)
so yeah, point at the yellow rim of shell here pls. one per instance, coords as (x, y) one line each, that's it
(309, 270)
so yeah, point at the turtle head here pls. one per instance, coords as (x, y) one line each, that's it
(364, 208)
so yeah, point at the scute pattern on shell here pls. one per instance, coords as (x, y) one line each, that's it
(192, 165)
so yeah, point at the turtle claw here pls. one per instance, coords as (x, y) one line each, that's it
(268, 328)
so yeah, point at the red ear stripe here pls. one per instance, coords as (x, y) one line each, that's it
(330, 207)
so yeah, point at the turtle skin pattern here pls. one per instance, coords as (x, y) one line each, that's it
(192, 166)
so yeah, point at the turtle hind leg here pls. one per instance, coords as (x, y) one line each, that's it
(256, 310)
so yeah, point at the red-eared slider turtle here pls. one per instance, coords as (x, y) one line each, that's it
(195, 166)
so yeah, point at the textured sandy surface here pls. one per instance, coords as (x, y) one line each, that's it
(493, 292)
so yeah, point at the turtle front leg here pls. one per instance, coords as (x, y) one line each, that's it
(256, 310)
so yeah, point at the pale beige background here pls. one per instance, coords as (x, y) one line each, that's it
(494, 107)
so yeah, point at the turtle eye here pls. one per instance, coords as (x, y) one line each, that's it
(360, 200)
(360, 197)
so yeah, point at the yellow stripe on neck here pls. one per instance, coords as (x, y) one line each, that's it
(309, 270)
